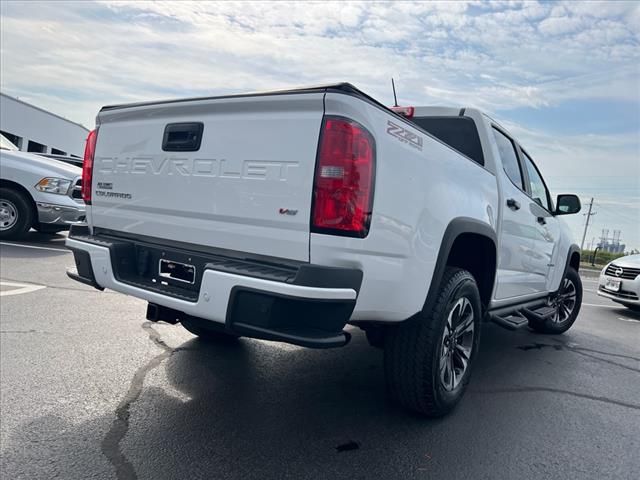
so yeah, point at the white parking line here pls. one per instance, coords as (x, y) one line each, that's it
(631, 320)
(20, 288)
(36, 248)
(599, 305)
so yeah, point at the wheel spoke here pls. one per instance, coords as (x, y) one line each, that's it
(449, 324)
(463, 352)
(465, 325)
(453, 372)
(443, 355)
(462, 356)
(445, 373)
(456, 313)
(443, 363)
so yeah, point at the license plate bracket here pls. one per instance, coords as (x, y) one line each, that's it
(612, 285)
(178, 271)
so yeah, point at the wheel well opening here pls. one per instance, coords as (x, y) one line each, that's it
(19, 188)
(476, 254)
(575, 261)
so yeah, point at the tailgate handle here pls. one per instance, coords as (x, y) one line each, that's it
(182, 137)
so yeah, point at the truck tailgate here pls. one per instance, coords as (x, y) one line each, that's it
(247, 186)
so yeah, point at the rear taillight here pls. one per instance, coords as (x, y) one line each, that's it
(87, 165)
(343, 185)
(404, 111)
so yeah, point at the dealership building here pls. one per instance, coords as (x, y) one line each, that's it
(33, 129)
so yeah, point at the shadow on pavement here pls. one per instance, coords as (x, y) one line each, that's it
(628, 313)
(35, 239)
(254, 410)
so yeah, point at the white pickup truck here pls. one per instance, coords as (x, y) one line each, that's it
(287, 215)
(37, 192)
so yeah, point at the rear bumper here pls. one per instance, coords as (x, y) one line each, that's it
(310, 307)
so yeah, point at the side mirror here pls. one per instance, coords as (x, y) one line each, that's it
(567, 204)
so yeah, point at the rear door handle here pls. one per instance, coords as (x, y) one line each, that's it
(513, 204)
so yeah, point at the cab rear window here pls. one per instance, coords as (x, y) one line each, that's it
(459, 133)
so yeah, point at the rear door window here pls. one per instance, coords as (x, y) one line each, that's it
(459, 133)
(509, 158)
(537, 188)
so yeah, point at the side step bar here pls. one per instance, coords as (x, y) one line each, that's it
(521, 318)
(512, 322)
(540, 315)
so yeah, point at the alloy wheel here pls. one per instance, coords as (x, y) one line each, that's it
(564, 302)
(457, 344)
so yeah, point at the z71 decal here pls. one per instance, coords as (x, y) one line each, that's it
(404, 135)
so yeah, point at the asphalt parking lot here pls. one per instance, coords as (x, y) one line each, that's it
(89, 389)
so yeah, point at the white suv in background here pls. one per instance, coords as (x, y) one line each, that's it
(620, 281)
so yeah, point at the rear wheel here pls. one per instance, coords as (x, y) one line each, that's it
(208, 331)
(16, 214)
(567, 301)
(428, 358)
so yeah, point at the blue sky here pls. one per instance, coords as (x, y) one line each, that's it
(564, 77)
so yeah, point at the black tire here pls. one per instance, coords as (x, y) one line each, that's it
(634, 308)
(16, 214)
(205, 331)
(557, 324)
(416, 349)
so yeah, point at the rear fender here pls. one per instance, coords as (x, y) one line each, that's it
(456, 227)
